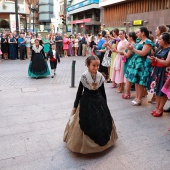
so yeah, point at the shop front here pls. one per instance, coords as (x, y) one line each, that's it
(8, 22)
(85, 16)
(85, 26)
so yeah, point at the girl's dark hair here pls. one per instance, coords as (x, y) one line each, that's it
(133, 36)
(162, 28)
(111, 32)
(166, 37)
(145, 30)
(37, 40)
(104, 33)
(89, 59)
(116, 30)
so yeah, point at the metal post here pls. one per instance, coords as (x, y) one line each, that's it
(33, 21)
(73, 74)
(65, 13)
(16, 16)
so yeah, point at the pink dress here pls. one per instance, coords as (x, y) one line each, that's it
(65, 43)
(166, 88)
(118, 65)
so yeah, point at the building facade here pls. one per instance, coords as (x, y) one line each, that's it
(7, 15)
(84, 16)
(46, 13)
(130, 15)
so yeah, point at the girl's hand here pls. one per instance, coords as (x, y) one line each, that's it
(130, 47)
(113, 50)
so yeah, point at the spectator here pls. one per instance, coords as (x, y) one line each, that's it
(22, 45)
(59, 44)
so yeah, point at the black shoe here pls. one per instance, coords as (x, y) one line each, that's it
(52, 76)
(167, 110)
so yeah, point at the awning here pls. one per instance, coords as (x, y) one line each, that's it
(81, 21)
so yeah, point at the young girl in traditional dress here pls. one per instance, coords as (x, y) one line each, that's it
(91, 127)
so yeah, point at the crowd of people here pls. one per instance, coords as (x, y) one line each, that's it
(13, 46)
(139, 60)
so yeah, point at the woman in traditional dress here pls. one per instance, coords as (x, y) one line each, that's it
(118, 65)
(138, 70)
(38, 66)
(12, 47)
(160, 74)
(91, 127)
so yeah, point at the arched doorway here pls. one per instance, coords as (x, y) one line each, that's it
(4, 24)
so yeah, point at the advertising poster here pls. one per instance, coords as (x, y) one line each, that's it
(13, 22)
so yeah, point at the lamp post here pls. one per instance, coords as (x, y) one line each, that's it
(16, 16)
(33, 10)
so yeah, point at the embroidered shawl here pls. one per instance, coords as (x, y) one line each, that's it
(88, 81)
(37, 50)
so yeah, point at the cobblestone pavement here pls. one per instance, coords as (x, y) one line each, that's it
(33, 115)
(14, 73)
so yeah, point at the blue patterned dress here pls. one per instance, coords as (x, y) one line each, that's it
(139, 67)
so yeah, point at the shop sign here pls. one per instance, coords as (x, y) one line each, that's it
(137, 22)
(82, 4)
(81, 21)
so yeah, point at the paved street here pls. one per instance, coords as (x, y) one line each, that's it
(34, 112)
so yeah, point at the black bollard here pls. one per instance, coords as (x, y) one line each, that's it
(73, 74)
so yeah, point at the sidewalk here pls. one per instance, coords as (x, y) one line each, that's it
(33, 115)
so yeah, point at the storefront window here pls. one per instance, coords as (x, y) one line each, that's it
(89, 15)
(80, 16)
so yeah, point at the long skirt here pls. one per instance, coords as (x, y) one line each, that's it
(38, 67)
(90, 128)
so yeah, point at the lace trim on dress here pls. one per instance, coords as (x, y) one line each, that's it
(37, 50)
(89, 82)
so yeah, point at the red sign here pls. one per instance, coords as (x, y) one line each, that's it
(81, 21)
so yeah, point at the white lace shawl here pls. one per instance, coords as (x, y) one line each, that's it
(37, 50)
(88, 82)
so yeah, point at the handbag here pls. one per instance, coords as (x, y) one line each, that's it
(98, 53)
(110, 53)
(124, 59)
